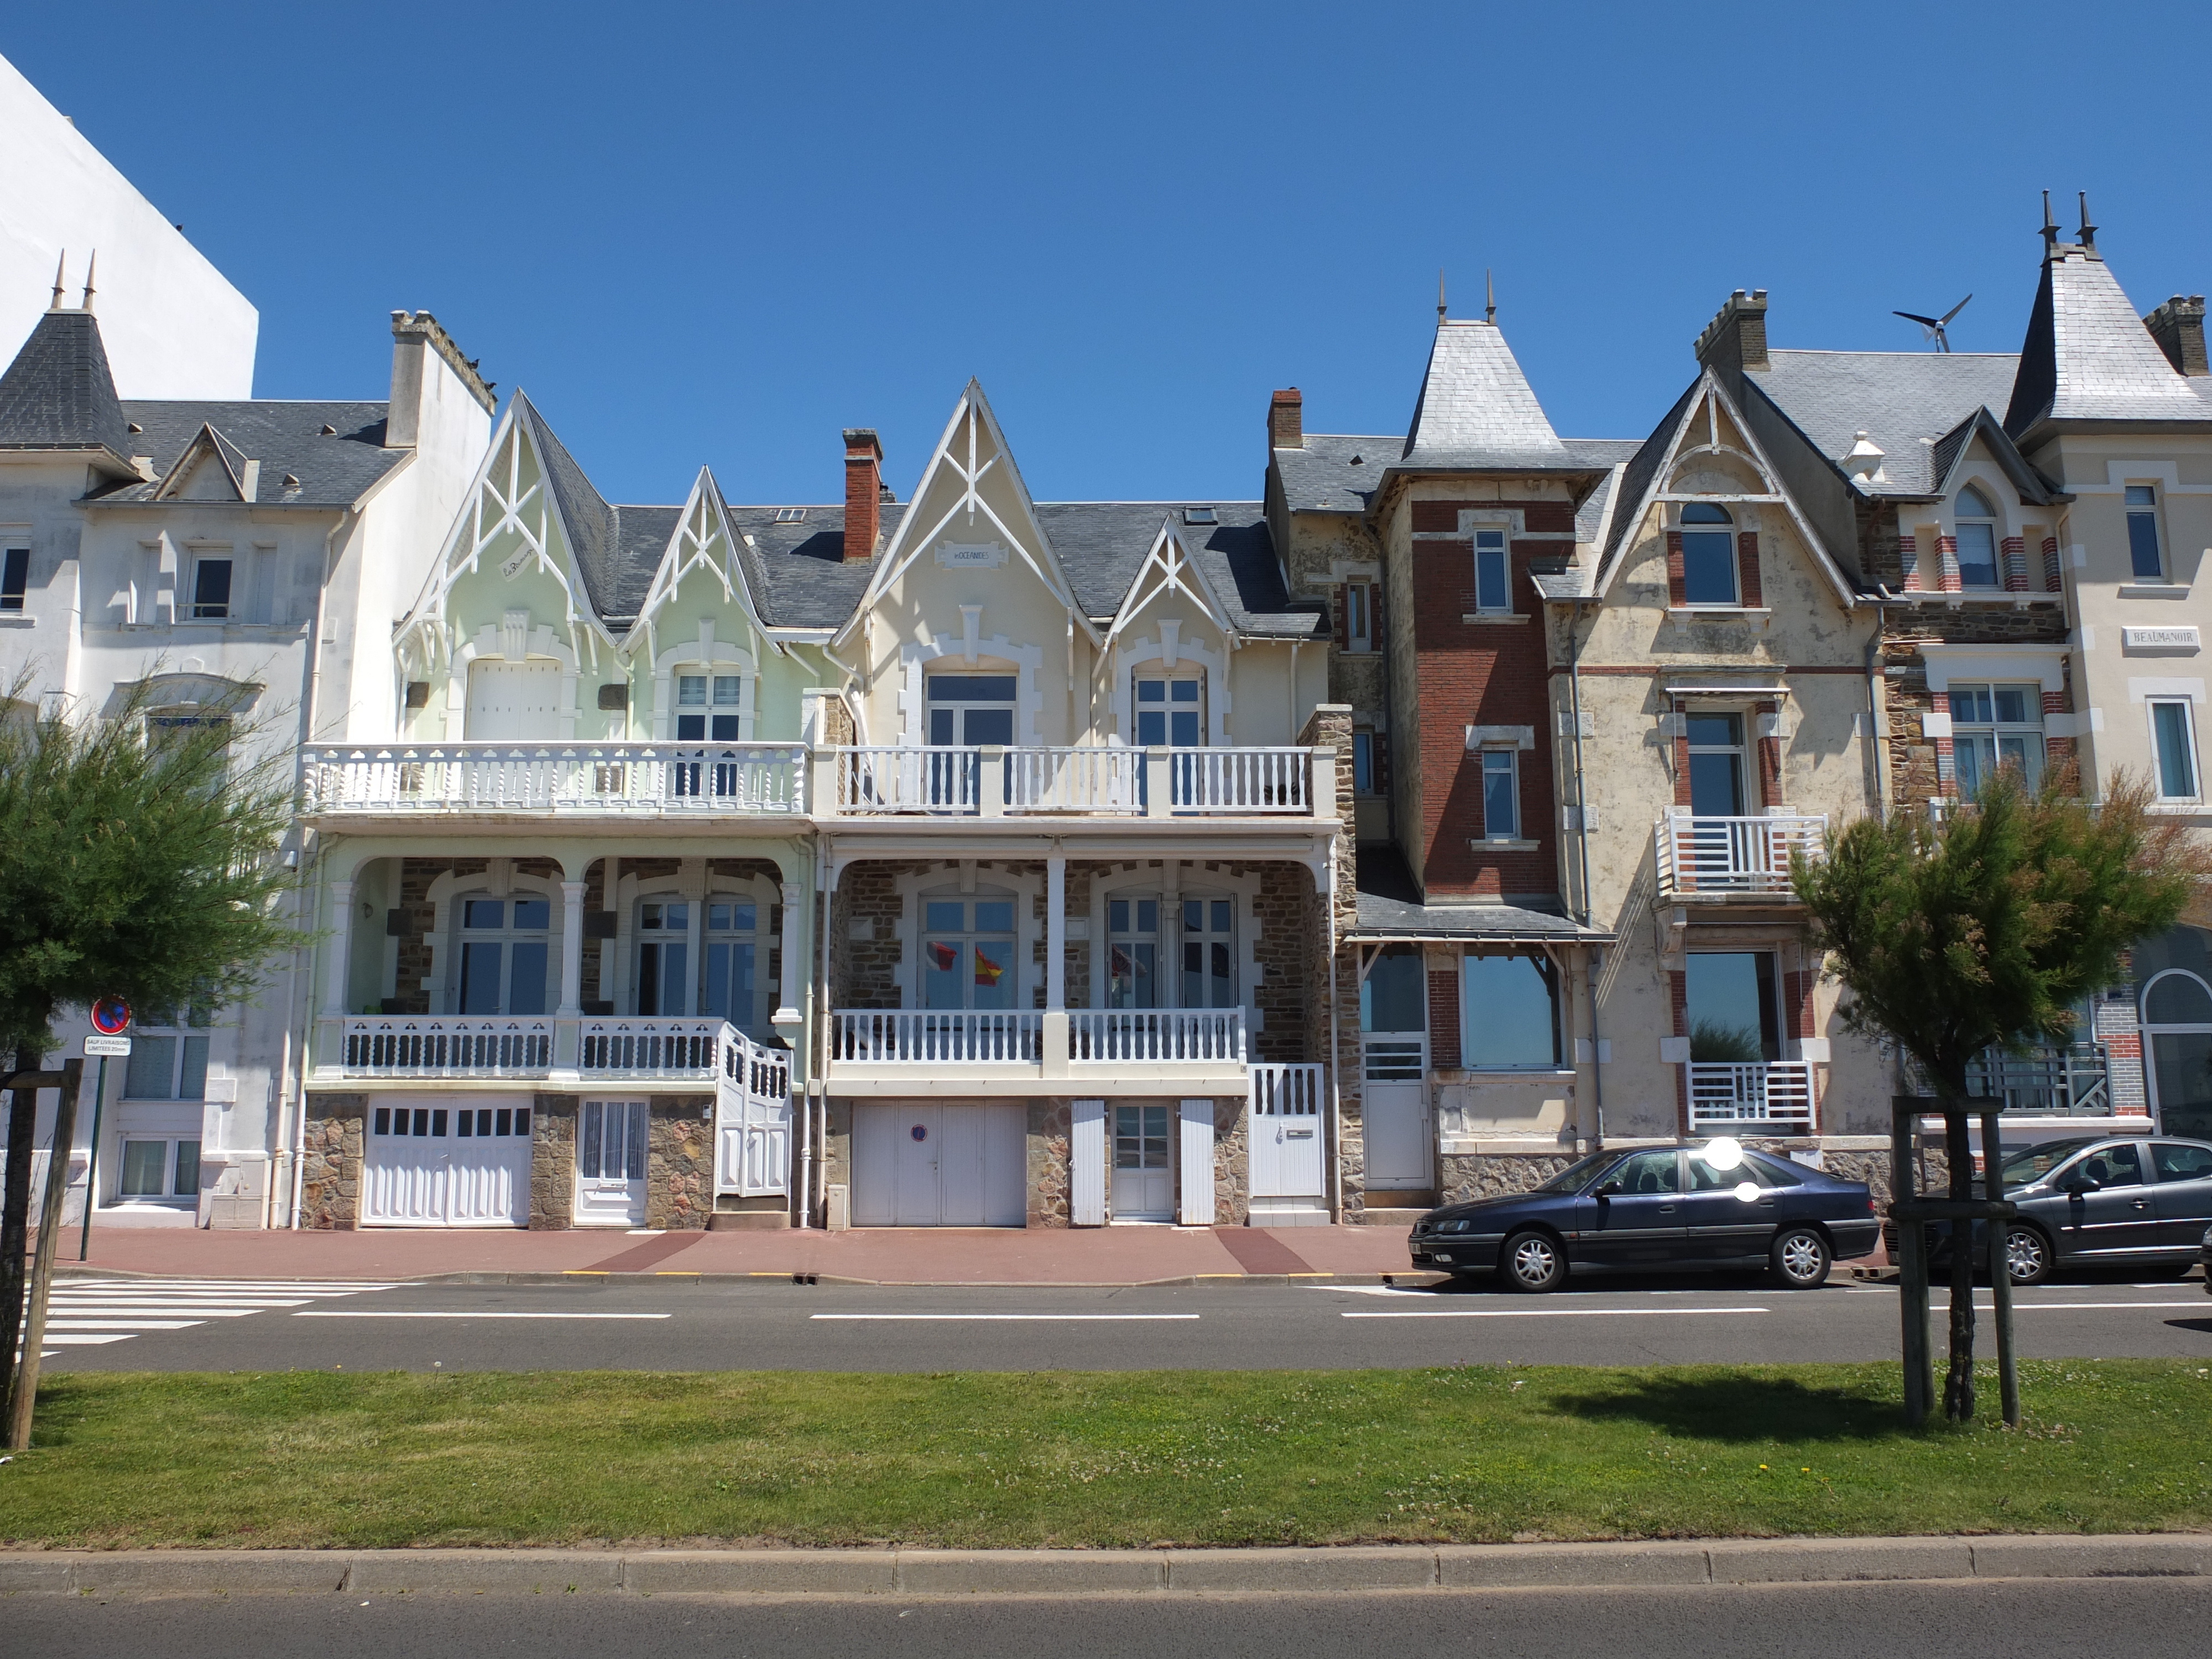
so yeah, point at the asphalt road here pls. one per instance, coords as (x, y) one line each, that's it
(686, 1325)
(2136, 1619)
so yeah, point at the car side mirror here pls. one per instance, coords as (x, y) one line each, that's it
(1609, 1188)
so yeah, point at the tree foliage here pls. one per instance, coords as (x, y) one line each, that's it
(1985, 930)
(139, 858)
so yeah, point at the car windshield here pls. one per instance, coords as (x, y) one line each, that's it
(1576, 1175)
(2032, 1164)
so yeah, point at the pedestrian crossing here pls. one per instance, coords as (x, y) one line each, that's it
(86, 1313)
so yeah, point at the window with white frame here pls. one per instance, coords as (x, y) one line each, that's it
(15, 577)
(1360, 616)
(2173, 747)
(157, 1169)
(1501, 795)
(2144, 557)
(169, 1057)
(1976, 524)
(1493, 586)
(505, 944)
(707, 707)
(968, 950)
(1171, 710)
(663, 957)
(1996, 724)
(736, 952)
(1133, 952)
(1708, 555)
(211, 583)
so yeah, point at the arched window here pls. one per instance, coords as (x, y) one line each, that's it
(1978, 540)
(1708, 555)
(2175, 972)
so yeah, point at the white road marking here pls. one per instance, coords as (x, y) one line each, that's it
(91, 1312)
(333, 1313)
(73, 1340)
(1053, 1318)
(1540, 1313)
(121, 1324)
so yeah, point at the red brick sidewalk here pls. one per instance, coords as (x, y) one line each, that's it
(1110, 1255)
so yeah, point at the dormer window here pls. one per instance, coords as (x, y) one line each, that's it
(1708, 555)
(697, 717)
(1978, 540)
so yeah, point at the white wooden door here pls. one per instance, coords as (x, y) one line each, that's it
(940, 1165)
(1144, 1176)
(610, 1153)
(1285, 1133)
(1395, 1105)
(431, 1161)
(513, 702)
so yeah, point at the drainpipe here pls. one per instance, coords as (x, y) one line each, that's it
(820, 1079)
(1874, 707)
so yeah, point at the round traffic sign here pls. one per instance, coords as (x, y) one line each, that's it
(111, 1016)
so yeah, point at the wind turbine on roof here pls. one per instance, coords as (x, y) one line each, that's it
(1931, 328)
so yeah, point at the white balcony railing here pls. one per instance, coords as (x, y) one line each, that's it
(1090, 780)
(619, 778)
(929, 1036)
(448, 1046)
(613, 1048)
(1156, 1034)
(1779, 1092)
(1723, 856)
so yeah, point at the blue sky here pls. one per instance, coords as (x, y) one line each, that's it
(719, 233)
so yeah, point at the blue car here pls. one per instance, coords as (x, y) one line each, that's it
(1657, 1209)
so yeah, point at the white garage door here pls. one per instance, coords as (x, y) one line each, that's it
(934, 1166)
(513, 702)
(445, 1160)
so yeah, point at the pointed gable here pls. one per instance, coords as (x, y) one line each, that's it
(2088, 357)
(1169, 569)
(210, 469)
(59, 393)
(588, 522)
(1477, 411)
(701, 541)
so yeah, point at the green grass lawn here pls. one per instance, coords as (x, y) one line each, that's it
(1090, 1458)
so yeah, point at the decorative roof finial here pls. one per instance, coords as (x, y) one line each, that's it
(2089, 230)
(90, 266)
(55, 303)
(1489, 298)
(1440, 293)
(2050, 230)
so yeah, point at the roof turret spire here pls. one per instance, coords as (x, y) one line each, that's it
(90, 266)
(1440, 293)
(2050, 230)
(55, 304)
(2089, 230)
(1489, 298)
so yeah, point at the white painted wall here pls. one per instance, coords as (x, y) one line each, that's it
(174, 327)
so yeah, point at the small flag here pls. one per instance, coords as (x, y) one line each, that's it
(987, 971)
(946, 956)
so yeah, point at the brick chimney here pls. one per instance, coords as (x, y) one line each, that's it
(1736, 339)
(2178, 327)
(1286, 420)
(864, 494)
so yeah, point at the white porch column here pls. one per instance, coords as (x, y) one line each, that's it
(572, 951)
(335, 983)
(786, 1015)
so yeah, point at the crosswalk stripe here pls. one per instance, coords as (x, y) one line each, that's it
(122, 1324)
(92, 1312)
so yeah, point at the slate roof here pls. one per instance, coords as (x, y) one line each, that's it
(59, 393)
(797, 571)
(1903, 401)
(1635, 479)
(285, 437)
(1477, 411)
(1102, 544)
(1323, 477)
(2088, 357)
(1390, 907)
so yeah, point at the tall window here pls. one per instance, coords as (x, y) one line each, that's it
(2142, 533)
(1142, 929)
(1994, 725)
(1510, 1009)
(1716, 789)
(1501, 795)
(1360, 616)
(968, 953)
(1735, 1012)
(505, 944)
(1209, 955)
(1493, 590)
(707, 707)
(15, 577)
(2173, 740)
(1978, 540)
(663, 956)
(735, 953)
(2174, 972)
(211, 589)
(1708, 555)
(1133, 953)
(1363, 763)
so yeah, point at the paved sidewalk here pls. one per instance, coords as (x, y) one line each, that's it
(1011, 1256)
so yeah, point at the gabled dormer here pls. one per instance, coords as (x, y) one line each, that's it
(698, 647)
(210, 469)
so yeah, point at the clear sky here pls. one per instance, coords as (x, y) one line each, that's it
(721, 233)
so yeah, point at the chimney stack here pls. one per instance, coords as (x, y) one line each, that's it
(864, 494)
(1286, 420)
(1736, 339)
(2178, 327)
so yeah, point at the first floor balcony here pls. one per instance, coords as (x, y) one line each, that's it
(1087, 780)
(1736, 857)
(557, 780)
(591, 1051)
(1766, 1096)
(923, 1050)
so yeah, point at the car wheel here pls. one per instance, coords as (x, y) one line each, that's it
(1802, 1258)
(2028, 1254)
(1535, 1261)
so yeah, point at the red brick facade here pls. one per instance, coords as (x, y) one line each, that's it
(1444, 1022)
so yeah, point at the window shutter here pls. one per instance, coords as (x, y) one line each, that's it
(1746, 568)
(1196, 1209)
(1086, 1160)
(1677, 587)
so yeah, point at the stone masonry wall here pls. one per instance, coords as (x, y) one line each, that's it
(679, 1162)
(1462, 1176)
(1232, 1163)
(330, 1159)
(1913, 762)
(1328, 916)
(553, 1163)
(1050, 1139)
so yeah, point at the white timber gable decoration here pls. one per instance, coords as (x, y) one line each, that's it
(1171, 622)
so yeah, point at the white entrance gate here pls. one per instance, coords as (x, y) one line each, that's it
(443, 1161)
(611, 1153)
(1289, 1180)
(513, 702)
(932, 1164)
(1394, 1109)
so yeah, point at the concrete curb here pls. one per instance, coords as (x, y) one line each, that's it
(1092, 1572)
(594, 1277)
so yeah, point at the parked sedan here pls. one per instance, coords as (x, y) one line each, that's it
(2117, 1199)
(1659, 1208)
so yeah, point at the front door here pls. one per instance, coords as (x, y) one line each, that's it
(445, 1162)
(1395, 1103)
(610, 1147)
(1637, 1217)
(1144, 1177)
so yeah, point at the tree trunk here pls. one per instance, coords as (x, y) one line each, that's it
(16, 1218)
(1959, 1381)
